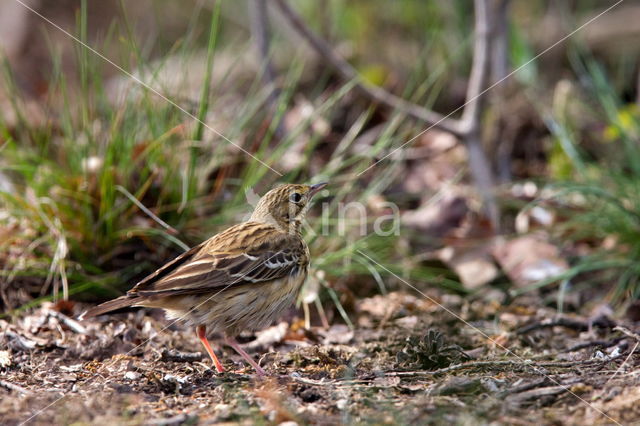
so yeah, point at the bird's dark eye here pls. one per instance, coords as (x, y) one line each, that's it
(295, 197)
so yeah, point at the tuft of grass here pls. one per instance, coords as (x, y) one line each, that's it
(104, 191)
(599, 188)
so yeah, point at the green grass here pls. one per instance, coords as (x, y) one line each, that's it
(597, 187)
(105, 191)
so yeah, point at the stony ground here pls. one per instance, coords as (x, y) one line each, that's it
(406, 361)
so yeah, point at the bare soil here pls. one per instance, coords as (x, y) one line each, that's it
(406, 361)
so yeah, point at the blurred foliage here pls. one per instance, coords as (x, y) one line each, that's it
(601, 192)
(78, 175)
(79, 181)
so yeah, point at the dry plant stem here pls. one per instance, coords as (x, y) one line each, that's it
(499, 40)
(470, 123)
(260, 31)
(467, 128)
(500, 365)
(201, 331)
(572, 323)
(638, 89)
(13, 387)
(74, 325)
(601, 343)
(503, 146)
(627, 332)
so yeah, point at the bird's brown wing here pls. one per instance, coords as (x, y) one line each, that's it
(245, 254)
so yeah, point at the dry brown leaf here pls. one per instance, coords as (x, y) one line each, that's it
(438, 218)
(529, 259)
(473, 266)
(270, 336)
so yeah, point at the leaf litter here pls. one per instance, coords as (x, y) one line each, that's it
(406, 361)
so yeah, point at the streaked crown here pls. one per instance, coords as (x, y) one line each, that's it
(285, 206)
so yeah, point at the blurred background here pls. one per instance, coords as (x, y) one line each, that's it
(508, 143)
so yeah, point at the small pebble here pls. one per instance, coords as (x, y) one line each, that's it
(131, 375)
(341, 404)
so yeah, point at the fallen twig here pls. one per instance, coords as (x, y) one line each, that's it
(535, 394)
(601, 343)
(627, 332)
(326, 382)
(457, 367)
(575, 324)
(69, 322)
(527, 386)
(13, 387)
(467, 127)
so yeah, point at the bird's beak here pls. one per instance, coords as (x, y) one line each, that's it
(314, 189)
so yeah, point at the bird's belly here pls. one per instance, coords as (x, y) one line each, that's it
(243, 308)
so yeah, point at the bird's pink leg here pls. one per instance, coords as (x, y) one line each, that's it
(201, 331)
(236, 346)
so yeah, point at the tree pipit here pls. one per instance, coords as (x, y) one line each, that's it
(240, 279)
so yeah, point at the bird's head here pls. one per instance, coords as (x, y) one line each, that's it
(285, 206)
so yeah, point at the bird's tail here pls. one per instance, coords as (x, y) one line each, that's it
(111, 305)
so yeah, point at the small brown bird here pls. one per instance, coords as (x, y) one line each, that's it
(240, 279)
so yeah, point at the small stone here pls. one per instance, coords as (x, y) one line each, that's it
(131, 375)
(5, 359)
(341, 404)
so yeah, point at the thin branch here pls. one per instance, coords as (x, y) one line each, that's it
(470, 124)
(638, 88)
(571, 323)
(260, 32)
(148, 212)
(467, 128)
(13, 387)
(502, 139)
(500, 40)
(261, 38)
(74, 325)
(627, 332)
(479, 68)
(599, 343)
(347, 72)
(491, 365)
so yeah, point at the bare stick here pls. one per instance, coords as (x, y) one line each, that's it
(260, 32)
(479, 68)
(13, 387)
(467, 128)
(638, 89)
(499, 40)
(261, 38)
(627, 332)
(470, 123)
(572, 323)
